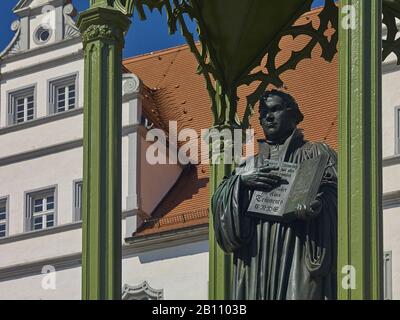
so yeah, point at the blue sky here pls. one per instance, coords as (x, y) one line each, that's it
(143, 37)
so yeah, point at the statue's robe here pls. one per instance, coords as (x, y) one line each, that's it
(280, 260)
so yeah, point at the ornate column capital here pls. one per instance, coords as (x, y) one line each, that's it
(103, 23)
(103, 31)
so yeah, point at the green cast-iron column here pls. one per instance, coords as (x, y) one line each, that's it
(102, 29)
(360, 171)
(220, 263)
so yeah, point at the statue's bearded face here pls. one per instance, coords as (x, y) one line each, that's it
(277, 121)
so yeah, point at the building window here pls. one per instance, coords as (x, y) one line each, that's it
(78, 200)
(397, 130)
(65, 98)
(3, 217)
(41, 209)
(42, 34)
(63, 94)
(21, 106)
(387, 274)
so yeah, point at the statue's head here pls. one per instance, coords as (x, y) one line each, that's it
(279, 114)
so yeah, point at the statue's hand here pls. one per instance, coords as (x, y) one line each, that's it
(306, 212)
(261, 179)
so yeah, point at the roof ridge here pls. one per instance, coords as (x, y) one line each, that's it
(156, 53)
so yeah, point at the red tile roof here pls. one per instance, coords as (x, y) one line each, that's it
(178, 93)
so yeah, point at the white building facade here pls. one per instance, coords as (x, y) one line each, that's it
(41, 128)
(391, 176)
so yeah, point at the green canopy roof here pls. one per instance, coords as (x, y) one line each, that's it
(238, 31)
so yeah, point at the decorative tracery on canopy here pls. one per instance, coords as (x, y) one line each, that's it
(222, 89)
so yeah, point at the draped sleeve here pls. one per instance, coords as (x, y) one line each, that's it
(321, 232)
(232, 227)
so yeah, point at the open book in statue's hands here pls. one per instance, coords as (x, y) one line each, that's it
(296, 196)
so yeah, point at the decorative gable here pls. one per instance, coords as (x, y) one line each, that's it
(70, 28)
(40, 23)
(31, 4)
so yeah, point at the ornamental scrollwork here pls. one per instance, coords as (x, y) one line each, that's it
(96, 32)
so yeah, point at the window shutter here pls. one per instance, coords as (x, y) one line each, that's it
(11, 109)
(78, 201)
(28, 214)
(52, 99)
(51, 108)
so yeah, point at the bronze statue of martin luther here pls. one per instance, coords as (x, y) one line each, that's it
(285, 259)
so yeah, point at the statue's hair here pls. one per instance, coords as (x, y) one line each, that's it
(289, 101)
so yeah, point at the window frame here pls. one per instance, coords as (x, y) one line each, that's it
(6, 199)
(29, 206)
(54, 84)
(76, 211)
(36, 34)
(397, 130)
(13, 96)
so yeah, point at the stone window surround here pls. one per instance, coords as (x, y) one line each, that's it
(6, 199)
(28, 195)
(37, 32)
(12, 95)
(53, 83)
